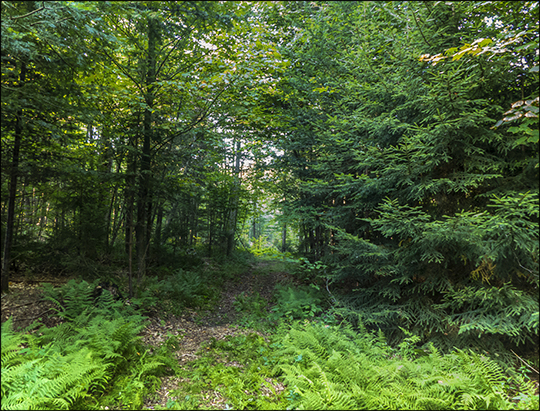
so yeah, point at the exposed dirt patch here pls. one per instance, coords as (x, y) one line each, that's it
(25, 304)
(251, 281)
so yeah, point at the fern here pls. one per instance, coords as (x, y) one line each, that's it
(298, 303)
(65, 366)
(331, 369)
(11, 342)
(47, 379)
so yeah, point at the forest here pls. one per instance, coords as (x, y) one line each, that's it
(269, 205)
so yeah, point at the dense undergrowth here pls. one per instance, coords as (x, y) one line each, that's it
(94, 353)
(303, 355)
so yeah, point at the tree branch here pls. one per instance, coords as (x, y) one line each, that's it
(28, 14)
(197, 121)
(419, 29)
(524, 362)
(168, 55)
(123, 71)
(56, 22)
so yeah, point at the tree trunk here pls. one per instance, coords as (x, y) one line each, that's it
(109, 219)
(117, 212)
(13, 174)
(159, 223)
(143, 203)
(210, 232)
(195, 226)
(284, 238)
(233, 213)
(130, 252)
(129, 209)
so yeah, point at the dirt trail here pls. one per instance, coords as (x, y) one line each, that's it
(195, 328)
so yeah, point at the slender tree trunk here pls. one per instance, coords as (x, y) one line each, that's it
(254, 228)
(115, 213)
(117, 224)
(233, 213)
(195, 224)
(284, 238)
(130, 259)
(311, 240)
(143, 204)
(13, 174)
(129, 213)
(210, 232)
(159, 223)
(109, 218)
(150, 214)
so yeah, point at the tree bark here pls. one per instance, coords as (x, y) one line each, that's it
(129, 200)
(159, 223)
(130, 265)
(143, 204)
(13, 174)
(233, 213)
(210, 232)
(284, 238)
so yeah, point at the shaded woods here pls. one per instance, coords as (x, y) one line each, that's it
(383, 155)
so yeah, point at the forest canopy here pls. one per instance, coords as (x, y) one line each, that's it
(393, 146)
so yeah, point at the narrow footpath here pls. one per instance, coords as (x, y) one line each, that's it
(193, 328)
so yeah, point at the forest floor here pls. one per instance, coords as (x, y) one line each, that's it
(198, 327)
(192, 327)
(25, 304)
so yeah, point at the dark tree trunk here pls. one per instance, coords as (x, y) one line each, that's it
(195, 225)
(117, 221)
(109, 219)
(129, 196)
(130, 259)
(159, 224)
(13, 174)
(210, 233)
(143, 204)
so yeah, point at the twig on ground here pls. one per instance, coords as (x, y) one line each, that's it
(33, 318)
(524, 362)
(22, 305)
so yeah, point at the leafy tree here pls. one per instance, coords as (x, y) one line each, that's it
(137, 98)
(39, 68)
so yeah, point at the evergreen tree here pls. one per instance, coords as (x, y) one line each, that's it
(426, 214)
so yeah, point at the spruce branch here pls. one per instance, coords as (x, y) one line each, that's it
(418, 26)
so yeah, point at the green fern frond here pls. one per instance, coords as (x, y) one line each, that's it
(11, 344)
(425, 403)
(348, 378)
